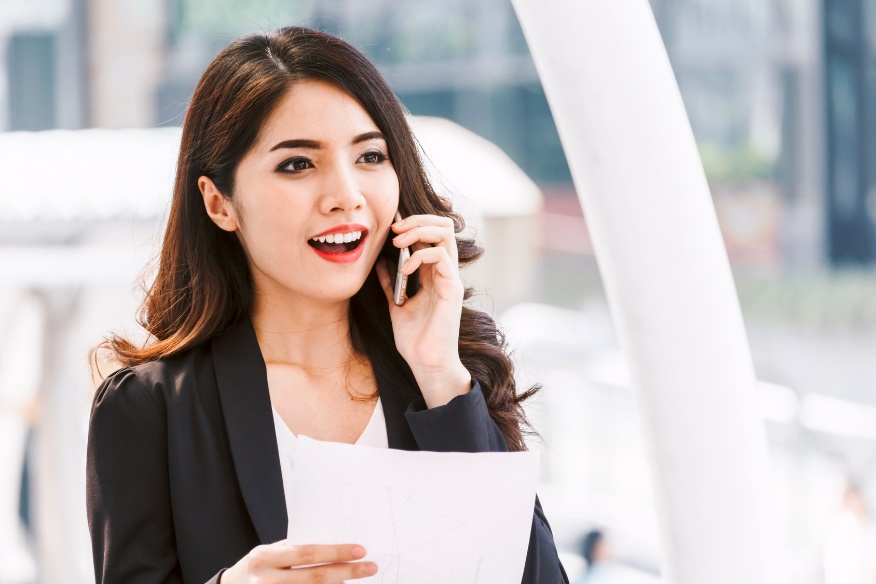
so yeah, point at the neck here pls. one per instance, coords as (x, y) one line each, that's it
(303, 332)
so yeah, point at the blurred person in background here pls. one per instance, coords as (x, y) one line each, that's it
(850, 545)
(272, 301)
(603, 567)
(593, 551)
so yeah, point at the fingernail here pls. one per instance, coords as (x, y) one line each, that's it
(371, 569)
(358, 551)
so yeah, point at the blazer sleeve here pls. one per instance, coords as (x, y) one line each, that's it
(465, 425)
(127, 486)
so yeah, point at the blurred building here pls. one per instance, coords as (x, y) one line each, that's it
(749, 73)
(43, 65)
(850, 91)
(777, 93)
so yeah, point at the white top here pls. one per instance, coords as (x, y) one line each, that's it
(373, 435)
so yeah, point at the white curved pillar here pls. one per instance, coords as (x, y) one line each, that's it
(655, 234)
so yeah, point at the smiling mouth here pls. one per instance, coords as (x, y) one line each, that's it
(327, 244)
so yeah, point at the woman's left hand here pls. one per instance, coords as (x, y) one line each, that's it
(426, 326)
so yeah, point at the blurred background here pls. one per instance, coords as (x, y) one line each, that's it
(781, 95)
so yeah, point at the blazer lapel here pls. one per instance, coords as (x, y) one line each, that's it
(395, 402)
(242, 379)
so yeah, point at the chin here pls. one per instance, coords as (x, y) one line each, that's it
(343, 291)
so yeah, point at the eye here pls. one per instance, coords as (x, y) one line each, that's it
(297, 164)
(373, 157)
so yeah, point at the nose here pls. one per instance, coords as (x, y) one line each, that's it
(341, 191)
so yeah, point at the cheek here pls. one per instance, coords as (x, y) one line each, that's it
(265, 222)
(385, 198)
(272, 223)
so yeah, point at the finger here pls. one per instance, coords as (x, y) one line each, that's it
(422, 221)
(385, 282)
(431, 255)
(335, 573)
(286, 555)
(443, 236)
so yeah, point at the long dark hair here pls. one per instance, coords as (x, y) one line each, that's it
(203, 283)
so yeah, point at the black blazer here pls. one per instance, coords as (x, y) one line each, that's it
(183, 470)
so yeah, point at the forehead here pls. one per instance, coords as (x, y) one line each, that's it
(316, 110)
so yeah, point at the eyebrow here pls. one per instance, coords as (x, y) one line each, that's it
(316, 145)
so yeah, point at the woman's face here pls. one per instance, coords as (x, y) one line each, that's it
(318, 172)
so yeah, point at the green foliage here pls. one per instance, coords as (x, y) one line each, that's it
(431, 35)
(842, 299)
(739, 163)
(220, 17)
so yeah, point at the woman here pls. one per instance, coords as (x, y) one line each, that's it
(272, 303)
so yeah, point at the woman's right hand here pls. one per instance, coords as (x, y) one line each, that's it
(280, 561)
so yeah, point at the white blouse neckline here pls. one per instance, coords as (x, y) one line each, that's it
(373, 435)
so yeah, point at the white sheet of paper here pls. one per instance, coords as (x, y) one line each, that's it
(424, 517)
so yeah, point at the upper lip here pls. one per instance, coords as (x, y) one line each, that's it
(342, 228)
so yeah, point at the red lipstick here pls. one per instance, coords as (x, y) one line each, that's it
(338, 252)
(346, 257)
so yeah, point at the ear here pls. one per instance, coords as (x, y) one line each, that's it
(218, 206)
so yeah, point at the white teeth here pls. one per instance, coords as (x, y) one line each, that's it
(339, 237)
